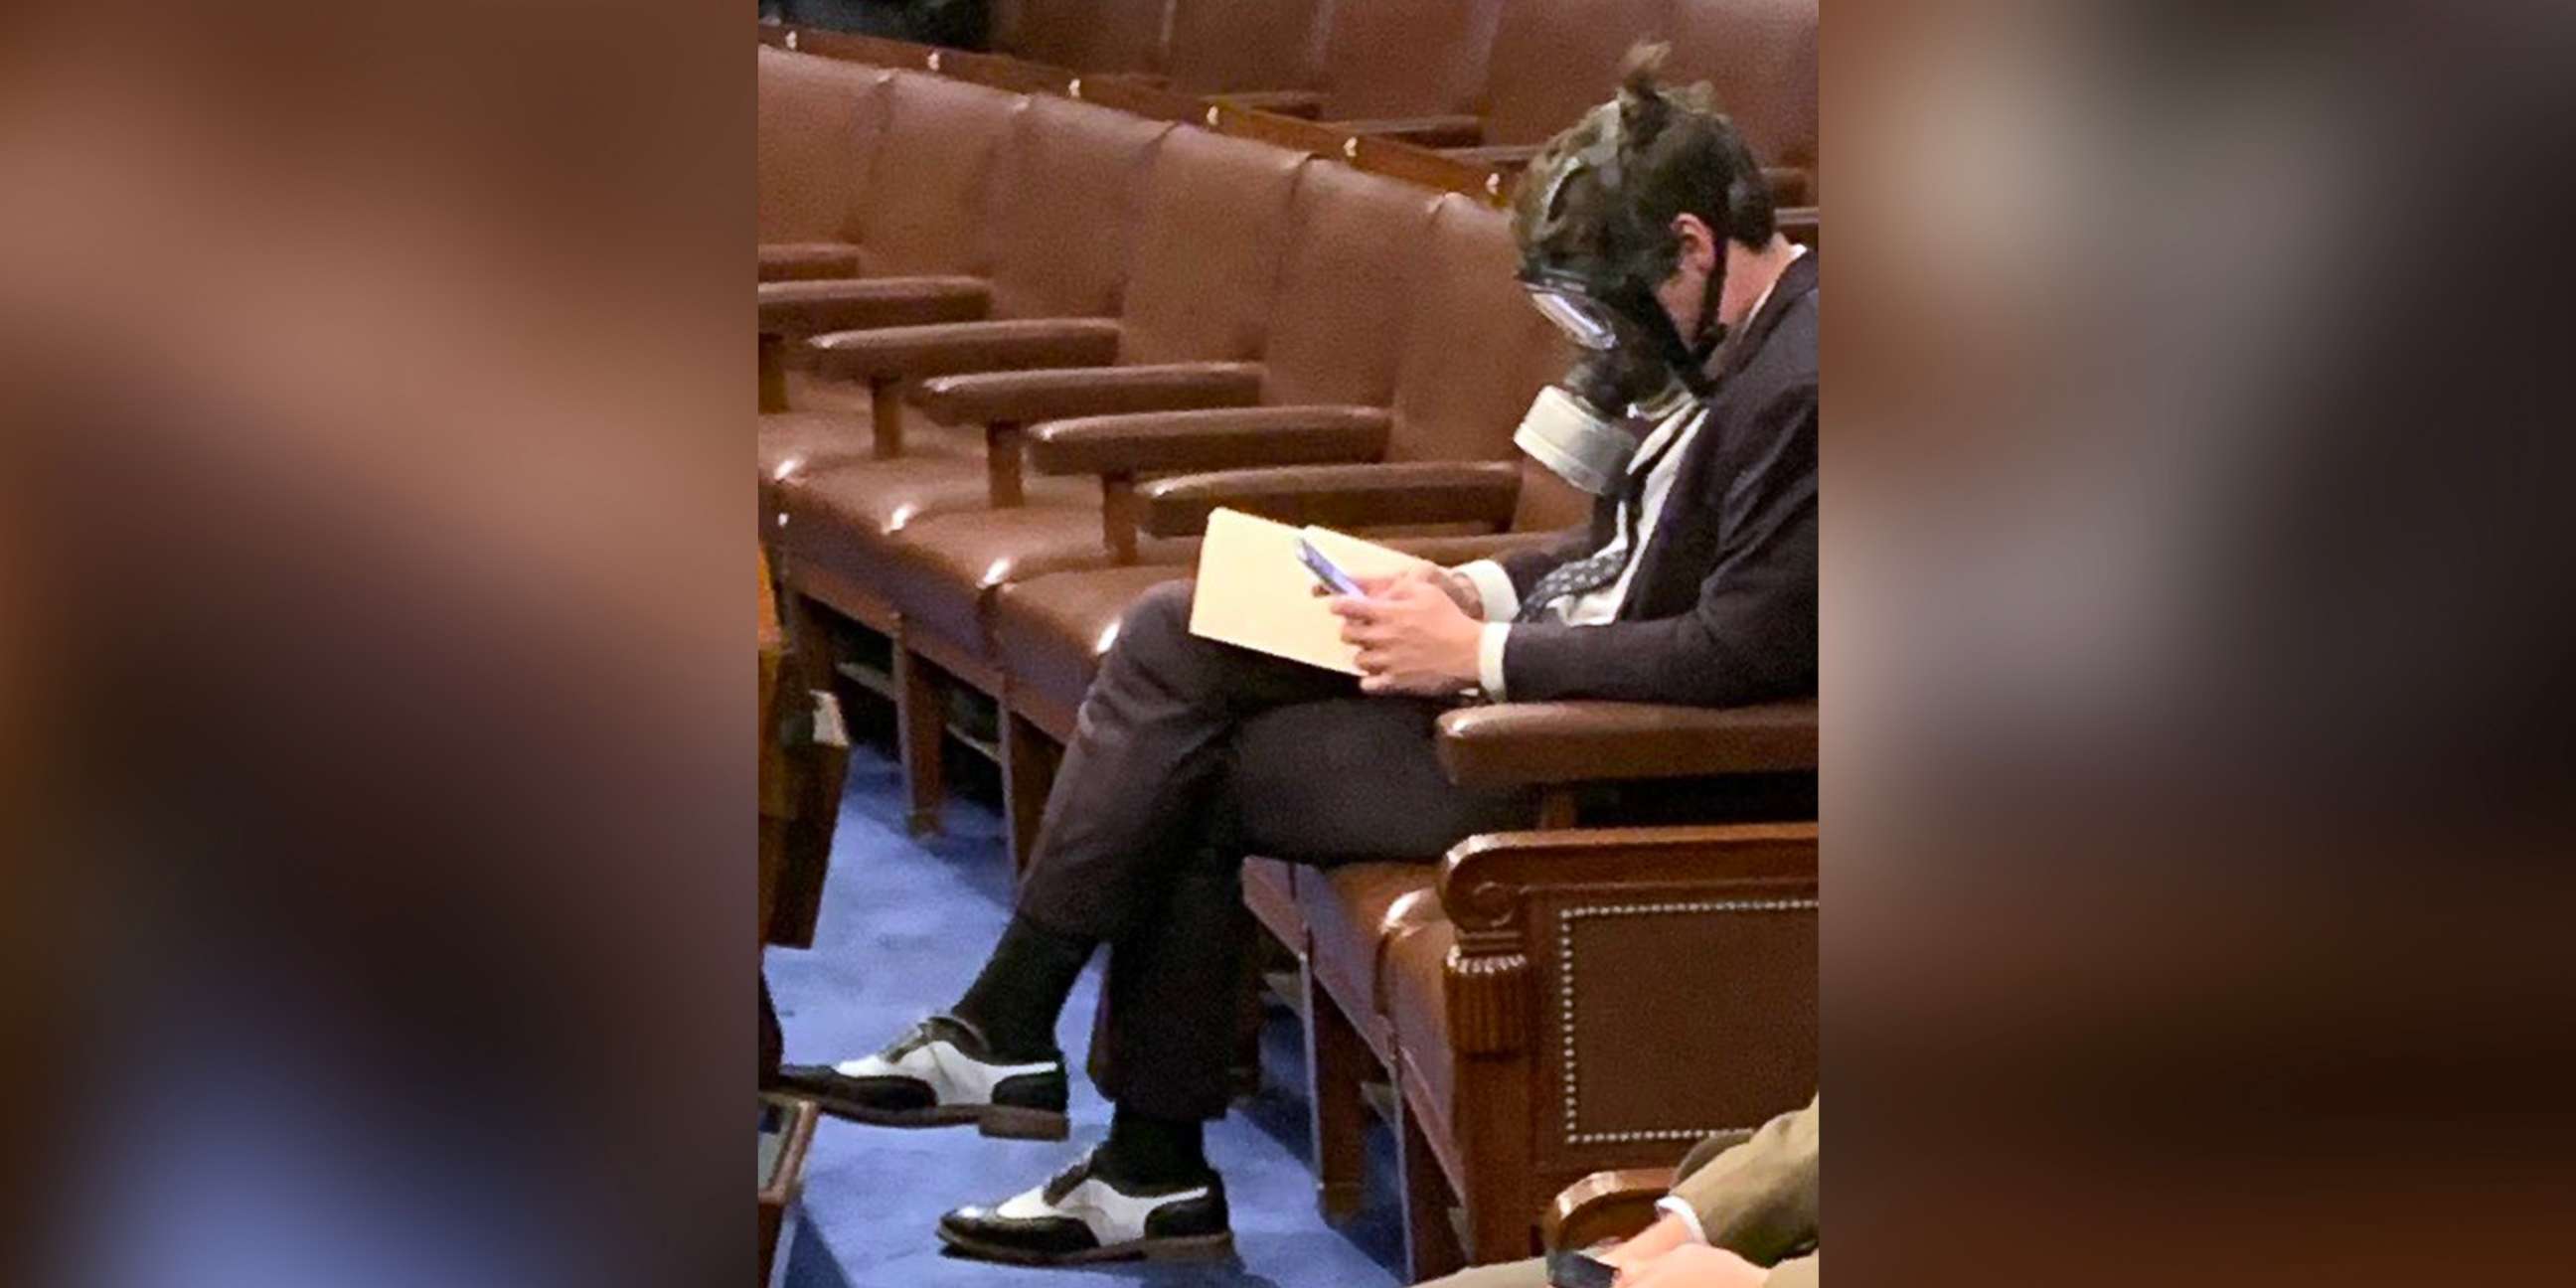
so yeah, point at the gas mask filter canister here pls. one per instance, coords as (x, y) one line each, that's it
(1577, 442)
(1574, 441)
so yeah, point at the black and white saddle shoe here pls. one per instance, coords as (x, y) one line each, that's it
(1079, 1216)
(940, 1074)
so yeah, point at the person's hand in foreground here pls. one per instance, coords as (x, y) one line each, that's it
(1693, 1265)
(1415, 631)
(1667, 1233)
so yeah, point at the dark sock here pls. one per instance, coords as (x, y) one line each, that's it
(1016, 1000)
(1148, 1151)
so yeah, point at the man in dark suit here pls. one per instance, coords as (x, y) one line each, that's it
(1646, 231)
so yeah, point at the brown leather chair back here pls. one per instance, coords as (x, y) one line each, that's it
(1064, 206)
(1555, 58)
(1407, 57)
(1208, 247)
(923, 209)
(1336, 329)
(1760, 57)
(1475, 354)
(1252, 44)
(819, 120)
(1084, 35)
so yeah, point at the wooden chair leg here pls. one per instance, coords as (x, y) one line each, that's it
(810, 638)
(1431, 1246)
(1501, 1219)
(1337, 1121)
(1029, 759)
(921, 722)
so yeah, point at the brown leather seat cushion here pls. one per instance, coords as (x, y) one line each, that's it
(1050, 632)
(842, 514)
(1417, 1006)
(938, 571)
(798, 444)
(1355, 915)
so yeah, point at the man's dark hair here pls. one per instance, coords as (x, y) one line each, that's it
(1604, 192)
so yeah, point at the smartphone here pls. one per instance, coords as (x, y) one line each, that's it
(1325, 570)
(1575, 1270)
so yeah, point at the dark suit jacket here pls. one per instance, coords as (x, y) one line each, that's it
(1722, 609)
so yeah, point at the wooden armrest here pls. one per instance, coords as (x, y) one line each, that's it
(920, 352)
(1531, 744)
(1021, 397)
(1604, 1207)
(1338, 496)
(1760, 853)
(1208, 439)
(803, 308)
(808, 261)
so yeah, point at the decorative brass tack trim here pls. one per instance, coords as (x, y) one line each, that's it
(1574, 1133)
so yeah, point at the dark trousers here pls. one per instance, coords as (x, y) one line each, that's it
(1188, 755)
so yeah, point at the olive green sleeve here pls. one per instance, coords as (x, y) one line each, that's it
(1759, 1199)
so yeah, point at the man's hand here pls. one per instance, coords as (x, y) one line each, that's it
(1458, 588)
(1694, 1265)
(1667, 1233)
(1412, 633)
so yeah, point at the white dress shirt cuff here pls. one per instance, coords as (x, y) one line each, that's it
(1690, 1219)
(1489, 659)
(1494, 587)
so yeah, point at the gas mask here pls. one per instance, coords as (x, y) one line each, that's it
(1594, 220)
(1631, 358)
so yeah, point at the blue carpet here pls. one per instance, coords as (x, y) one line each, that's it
(905, 925)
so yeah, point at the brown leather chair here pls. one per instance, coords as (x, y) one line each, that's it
(819, 121)
(1365, 918)
(1551, 61)
(1399, 67)
(922, 246)
(1207, 230)
(935, 135)
(1221, 45)
(1210, 240)
(1593, 1000)
(1760, 57)
(1089, 36)
(1332, 343)
(1058, 220)
(1190, 46)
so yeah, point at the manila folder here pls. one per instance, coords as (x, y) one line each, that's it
(1254, 592)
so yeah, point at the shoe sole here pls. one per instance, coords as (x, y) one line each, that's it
(1001, 1121)
(1196, 1247)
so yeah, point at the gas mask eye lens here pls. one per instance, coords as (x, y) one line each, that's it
(1582, 320)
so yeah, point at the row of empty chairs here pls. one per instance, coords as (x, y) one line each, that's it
(1016, 346)
(1492, 78)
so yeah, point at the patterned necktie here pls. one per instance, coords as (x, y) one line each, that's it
(1594, 571)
